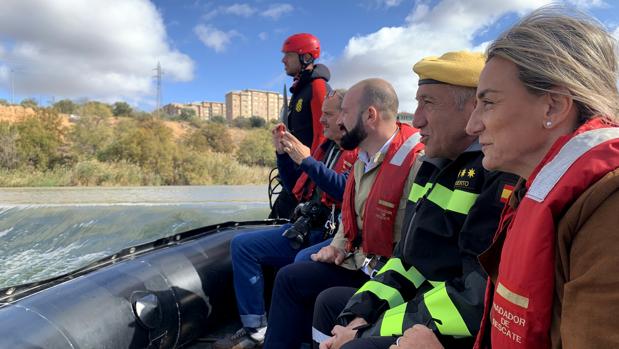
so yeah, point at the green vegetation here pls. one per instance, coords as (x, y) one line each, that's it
(134, 149)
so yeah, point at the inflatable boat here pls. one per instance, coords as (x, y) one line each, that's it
(170, 293)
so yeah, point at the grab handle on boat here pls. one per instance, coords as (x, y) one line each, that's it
(146, 309)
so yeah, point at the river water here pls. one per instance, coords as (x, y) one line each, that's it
(50, 231)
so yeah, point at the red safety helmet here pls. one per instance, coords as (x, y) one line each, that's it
(302, 43)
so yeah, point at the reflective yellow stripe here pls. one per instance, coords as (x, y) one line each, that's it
(418, 191)
(392, 321)
(412, 275)
(462, 201)
(442, 308)
(456, 201)
(382, 291)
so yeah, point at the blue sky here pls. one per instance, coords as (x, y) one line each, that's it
(107, 49)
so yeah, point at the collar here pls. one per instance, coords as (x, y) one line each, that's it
(374, 161)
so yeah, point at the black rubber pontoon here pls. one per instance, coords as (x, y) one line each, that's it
(162, 294)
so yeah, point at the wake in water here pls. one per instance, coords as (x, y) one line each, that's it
(42, 240)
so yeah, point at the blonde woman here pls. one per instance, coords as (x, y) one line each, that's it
(547, 106)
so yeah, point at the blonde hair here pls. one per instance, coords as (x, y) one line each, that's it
(554, 46)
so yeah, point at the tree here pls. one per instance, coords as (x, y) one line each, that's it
(4, 102)
(9, 154)
(90, 135)
(257, 149)
(187, 114)
(121, 109)
(94, 108)
(211, 136)
(29, 103)
(147, 143)
(65, 106)
(257, 122)
(41, 139)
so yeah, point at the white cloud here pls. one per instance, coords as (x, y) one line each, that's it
(586, 4)
(215, 38)
(102, 49)
(392, 3)
(390, 52)
(277, 10)
(243, 10)
(263, 36)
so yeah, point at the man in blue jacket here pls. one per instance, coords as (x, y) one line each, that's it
(318, 182)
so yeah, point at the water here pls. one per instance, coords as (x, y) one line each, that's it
(51, 231)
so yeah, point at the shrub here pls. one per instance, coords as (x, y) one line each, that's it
(218, 120)
(257, 122)
(241, 122)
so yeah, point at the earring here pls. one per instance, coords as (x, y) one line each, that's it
(548, 124)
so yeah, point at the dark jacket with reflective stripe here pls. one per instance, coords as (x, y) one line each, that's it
(452, 214)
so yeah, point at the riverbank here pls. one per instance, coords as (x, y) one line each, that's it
(218, 170)
(40, 147)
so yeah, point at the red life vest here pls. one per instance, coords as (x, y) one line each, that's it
(519, 309)
(304, 188)
(383, 201)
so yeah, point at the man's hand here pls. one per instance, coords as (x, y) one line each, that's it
(329, 254)
(418, 337)
(297, 150)
(277, 132)
(342, 335)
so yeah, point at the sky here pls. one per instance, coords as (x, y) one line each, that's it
(107, 50)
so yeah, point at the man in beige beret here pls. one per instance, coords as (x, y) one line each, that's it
(433, 281)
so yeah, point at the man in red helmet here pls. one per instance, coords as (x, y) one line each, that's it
(308, 92)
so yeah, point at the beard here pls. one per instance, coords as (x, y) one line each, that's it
(354, 137)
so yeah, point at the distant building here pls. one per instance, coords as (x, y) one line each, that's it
(248, 103)
(204, 110)
(406, 117)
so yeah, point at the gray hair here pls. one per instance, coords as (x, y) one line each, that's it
(557, 47)
(462, 95)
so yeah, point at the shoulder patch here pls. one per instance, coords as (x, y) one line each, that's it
(299, 106)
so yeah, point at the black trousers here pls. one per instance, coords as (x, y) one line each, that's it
(329, 305)
(294, 293)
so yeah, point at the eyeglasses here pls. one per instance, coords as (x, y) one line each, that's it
(333, 93)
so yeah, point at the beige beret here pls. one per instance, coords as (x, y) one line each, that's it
(460, 68)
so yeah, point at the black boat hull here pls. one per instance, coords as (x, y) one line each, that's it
(180, 288)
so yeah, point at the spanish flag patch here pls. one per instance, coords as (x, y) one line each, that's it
(506, 192)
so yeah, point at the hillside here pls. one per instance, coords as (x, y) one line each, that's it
(17, 113)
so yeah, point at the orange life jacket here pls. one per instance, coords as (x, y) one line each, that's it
(383, 201)
(304, 188)
(518, 309)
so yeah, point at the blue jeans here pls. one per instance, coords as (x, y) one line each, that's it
(250, 251)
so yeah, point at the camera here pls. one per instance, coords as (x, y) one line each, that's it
(306, 215)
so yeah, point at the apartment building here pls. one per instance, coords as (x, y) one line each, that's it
(204, 110)
(248, 103)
